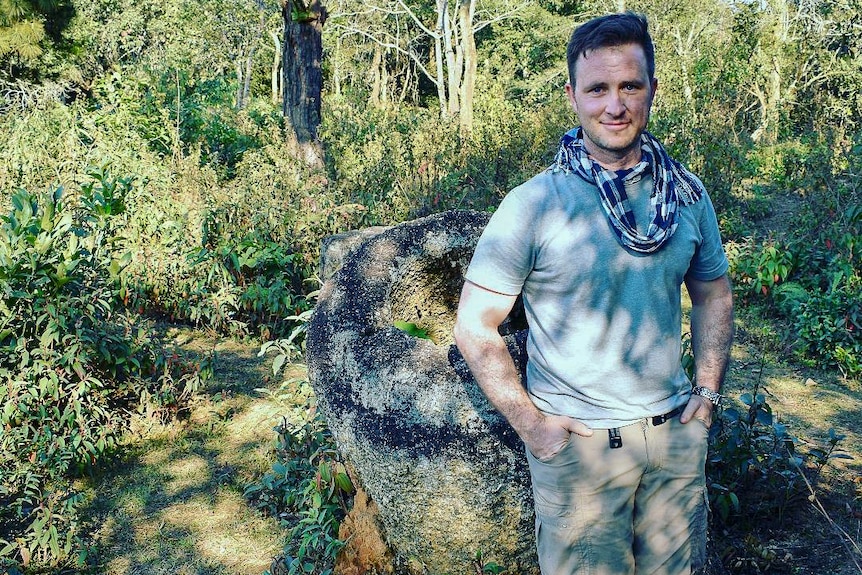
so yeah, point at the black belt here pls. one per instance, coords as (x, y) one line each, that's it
(659, 419)
(616, 441)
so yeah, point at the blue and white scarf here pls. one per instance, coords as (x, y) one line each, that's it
(672, 185)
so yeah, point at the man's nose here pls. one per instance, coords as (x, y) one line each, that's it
(615, 105)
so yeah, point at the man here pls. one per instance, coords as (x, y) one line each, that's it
(599, 245)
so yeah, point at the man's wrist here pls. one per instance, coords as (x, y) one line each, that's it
(713, 396)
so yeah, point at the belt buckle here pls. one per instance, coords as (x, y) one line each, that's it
(614, 438)
(660, 419)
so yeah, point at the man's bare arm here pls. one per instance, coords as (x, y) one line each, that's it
(480, 313)
(711, 338)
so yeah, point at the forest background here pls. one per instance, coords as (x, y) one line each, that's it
(150, 170)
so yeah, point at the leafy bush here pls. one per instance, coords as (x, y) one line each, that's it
(71, 362)
(262, 280)
(754, 469)
(756, 270)
(308, 489)
(828, 326)
(399, 166)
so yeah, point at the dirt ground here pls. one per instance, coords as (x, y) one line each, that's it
(174, 503)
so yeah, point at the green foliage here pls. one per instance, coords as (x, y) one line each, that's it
(399, 166)
(71, 362)
(828, 326)
(308, 489)
(483, 566)
(22, 28)
(293, 346)
(754, 469)
(757, 270)
(813, 283)
(254, 283)
(412, 329)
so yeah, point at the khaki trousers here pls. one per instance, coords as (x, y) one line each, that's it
(639, 509)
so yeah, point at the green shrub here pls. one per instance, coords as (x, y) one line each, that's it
(757, 269)
(256, 283)
(828, 326)
(412, 163)
(754, 469)
(72, 362)
(308, 489)
(823, 302)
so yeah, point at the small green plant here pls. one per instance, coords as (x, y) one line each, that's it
(293, 346)
(822, 456)
(309, 490)
(412, 329)
(482, 566)
(757, 270)
(754, 468)
(746, 449)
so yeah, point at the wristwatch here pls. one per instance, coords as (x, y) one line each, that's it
(712, 396)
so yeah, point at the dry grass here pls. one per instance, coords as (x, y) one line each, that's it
(174, 504)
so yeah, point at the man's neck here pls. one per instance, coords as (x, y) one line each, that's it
(608, 161)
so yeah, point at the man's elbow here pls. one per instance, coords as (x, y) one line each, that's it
(461, 333)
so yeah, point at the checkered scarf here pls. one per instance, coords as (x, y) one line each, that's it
(672, 185)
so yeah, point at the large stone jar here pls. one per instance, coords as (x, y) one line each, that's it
(447, 474)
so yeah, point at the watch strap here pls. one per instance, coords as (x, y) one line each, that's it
(709, 394)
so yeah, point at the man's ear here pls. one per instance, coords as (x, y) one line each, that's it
(570, 94)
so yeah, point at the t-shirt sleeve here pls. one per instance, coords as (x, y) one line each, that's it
(504, 255)
(710, 261)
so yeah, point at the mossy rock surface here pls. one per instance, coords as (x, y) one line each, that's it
(446, 472)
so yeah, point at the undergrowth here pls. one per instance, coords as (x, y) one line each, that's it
(308, 490)
(73, 363)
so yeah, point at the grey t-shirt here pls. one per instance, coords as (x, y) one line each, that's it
(605, 322)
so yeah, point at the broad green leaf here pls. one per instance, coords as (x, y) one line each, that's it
(411, 329)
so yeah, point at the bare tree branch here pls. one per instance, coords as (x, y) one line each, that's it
(388, 44)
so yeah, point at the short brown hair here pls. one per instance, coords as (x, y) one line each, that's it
(607, 31)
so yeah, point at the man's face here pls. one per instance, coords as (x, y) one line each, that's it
(612, 97)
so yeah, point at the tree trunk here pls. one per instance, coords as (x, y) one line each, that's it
(384, 81)
(468, 49)
(405, 84)
(452, 68)
(336, 69)
(440, 31)
(238, 68)
(276, 64)
(303, 77)
(246, 86)
(374, 97)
